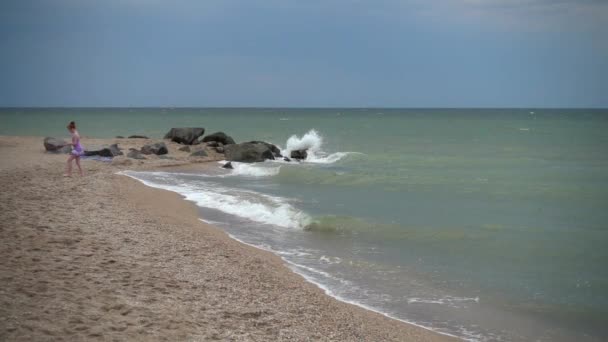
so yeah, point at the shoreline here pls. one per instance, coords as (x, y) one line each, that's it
(285, 264)
(129, 233)
(327, 292)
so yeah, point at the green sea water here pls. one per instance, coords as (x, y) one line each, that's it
(488, 224)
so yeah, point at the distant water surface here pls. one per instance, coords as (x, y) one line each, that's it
(486, 224)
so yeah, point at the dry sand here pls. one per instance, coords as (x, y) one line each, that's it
(103, 257)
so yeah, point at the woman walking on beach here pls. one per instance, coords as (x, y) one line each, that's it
(77, 151)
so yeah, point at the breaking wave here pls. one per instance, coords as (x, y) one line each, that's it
(253, 170)
(250, 205)
(312, 141)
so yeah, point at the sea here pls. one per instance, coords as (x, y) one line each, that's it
(485, 224)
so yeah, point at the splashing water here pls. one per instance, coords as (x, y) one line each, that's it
(312, 142)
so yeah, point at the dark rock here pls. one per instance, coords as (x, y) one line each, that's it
(299, 154)
(286, 159)
(220, 149)
(248, 152)
(275, 150)
(156, 148)
(119, 137)
(228, 165)
(111, 151)
(135, 154)
(184, 148)
(138, 137)
(56, 145)
(116, 151)
(199, 153)
(219, 137)
(105, 152)
(186, 135)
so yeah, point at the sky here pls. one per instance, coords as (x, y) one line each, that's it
(306, 53)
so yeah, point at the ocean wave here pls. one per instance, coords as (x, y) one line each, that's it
(330, 260)
(332, 224)
(262, 209)
(312, 141)
(321, 158)
(447, 300)
(253, 170)
(247, 204)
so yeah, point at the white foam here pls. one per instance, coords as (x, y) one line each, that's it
(330, 260)
(213, 223)
(321, 158)
(246, 204)
(447, 300)
(312, 141)
(254, 170)
(273, 211)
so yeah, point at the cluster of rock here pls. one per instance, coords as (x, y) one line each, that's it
(220, 142)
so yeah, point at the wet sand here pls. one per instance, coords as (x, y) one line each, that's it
(103, 257)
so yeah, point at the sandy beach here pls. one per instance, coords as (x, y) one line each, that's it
(103, 257)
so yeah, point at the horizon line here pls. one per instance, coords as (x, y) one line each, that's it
(284, 107)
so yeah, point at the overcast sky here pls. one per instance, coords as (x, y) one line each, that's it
(306, 53)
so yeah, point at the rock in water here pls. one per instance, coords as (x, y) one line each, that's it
(119, 137)
(157, 148)
(186, 135)
(184, 148)
(248, 152)
(199, 153)
(275, 150)
(286, 159)
(228, 165)
(219, 137)
(138, 137)
(299, 154)
(135, 154)
(56, 145)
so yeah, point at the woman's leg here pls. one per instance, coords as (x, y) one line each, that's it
(68, 168)
(78, 164)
